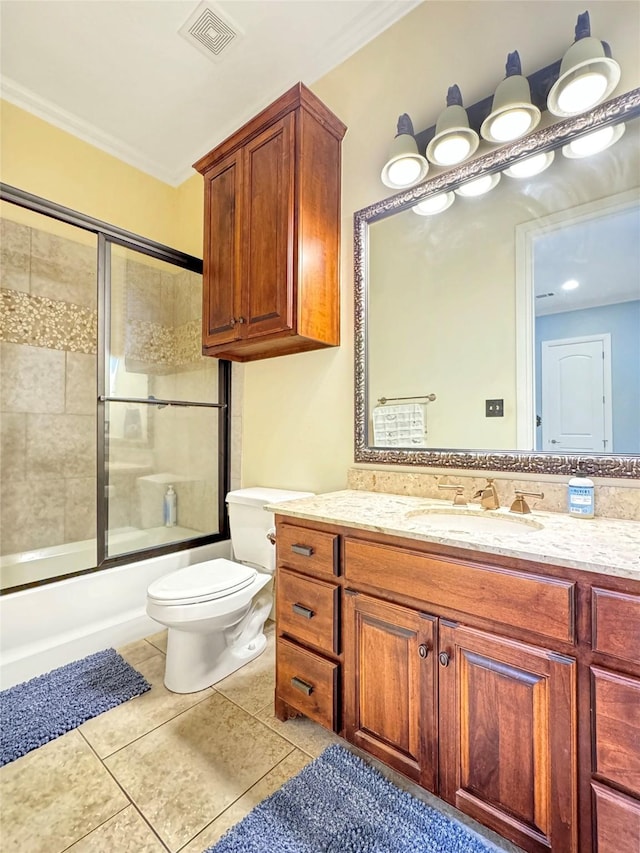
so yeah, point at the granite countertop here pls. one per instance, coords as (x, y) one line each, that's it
(606, 545)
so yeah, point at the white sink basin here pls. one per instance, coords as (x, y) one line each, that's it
(472, 521)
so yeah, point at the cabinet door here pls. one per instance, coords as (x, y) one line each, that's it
(508, 737)
(390, 702)
(268, 236)
(222, 234)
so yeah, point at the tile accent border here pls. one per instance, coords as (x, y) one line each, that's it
(38, 321)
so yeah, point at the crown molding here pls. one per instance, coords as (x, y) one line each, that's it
(21, 97)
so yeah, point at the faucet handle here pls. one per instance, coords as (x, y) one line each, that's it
(520, 505)
(459, 498)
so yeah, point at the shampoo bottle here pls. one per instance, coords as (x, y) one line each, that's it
(170, 507)
(581, 496)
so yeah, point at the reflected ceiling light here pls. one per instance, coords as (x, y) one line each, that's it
(454, 140)
(434, 204)
(405, 165)
(593, 143)
(479, 187)
(588, 74)
(512, 113)
(570, 284)
(531, 165)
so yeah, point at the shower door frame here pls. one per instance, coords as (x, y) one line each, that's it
(106, 235)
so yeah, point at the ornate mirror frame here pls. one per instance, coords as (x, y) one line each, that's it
(622, 108)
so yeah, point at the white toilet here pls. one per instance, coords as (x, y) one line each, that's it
(215, 611)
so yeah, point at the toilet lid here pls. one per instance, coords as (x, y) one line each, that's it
(201, 582)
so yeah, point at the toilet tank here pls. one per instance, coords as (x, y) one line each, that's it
(250, 523)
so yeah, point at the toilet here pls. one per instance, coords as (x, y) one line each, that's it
(215, 611)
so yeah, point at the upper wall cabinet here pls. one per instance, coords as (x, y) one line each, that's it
(272, 233)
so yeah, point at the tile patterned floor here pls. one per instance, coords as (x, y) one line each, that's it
(163, 772)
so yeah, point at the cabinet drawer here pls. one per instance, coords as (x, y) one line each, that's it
(617, 821)
(616, 624)
(542, 605)
(309, 551)
(307, 682)
(616, 748)
(307, 610)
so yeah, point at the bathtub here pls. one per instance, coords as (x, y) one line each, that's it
(50, 625)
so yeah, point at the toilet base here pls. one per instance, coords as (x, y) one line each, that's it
(208, 663)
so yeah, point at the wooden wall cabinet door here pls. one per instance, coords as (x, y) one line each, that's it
(390, 699)
(223, 238)
(272, 233)
(508, 737)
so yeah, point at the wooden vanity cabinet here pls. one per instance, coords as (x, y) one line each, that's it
(272, 229)
(508, 688)
(307, 625)
(614, 693)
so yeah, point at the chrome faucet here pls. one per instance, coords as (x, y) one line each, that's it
(488, 496)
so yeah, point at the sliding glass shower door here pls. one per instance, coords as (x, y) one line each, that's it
(114, 438)
(161, 406)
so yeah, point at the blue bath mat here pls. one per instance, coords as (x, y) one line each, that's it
(338, 804)
(47, 706)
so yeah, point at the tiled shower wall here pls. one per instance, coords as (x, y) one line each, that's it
(48, 334)
(47, 389)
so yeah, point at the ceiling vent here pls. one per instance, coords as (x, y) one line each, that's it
(544, 295)
(211, 32)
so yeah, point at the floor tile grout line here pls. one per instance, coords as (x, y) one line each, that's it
(95, 828)
(160, 725)
(127, 795)
(246, 791)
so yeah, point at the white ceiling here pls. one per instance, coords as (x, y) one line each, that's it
(117, 74)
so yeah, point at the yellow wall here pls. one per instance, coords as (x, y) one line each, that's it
(298, 416)
(46, 161)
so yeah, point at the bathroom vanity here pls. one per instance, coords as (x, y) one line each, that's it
(501, 671)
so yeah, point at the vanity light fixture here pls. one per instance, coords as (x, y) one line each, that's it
(593, 143)
(478, 187)
(405, 166)
(531, 166)
(434, 204)
(454, 140)
(512, 113)
(570, 284)
(588, 74)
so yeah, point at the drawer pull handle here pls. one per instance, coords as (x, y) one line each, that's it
(301, 685)
(423, 650)
(443, 657)
(301, 610)
(303, 550)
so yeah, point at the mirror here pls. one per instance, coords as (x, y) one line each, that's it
(470, 353)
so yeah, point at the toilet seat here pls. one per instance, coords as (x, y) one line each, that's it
(201, 582)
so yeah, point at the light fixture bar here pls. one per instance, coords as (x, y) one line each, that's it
(540, 83)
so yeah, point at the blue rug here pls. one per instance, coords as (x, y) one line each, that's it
(47, 706)
(338, 804)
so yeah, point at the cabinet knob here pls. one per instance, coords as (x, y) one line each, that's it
(240, 320)
(423, 650)
(444, 659)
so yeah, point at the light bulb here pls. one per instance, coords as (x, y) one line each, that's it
(404, 172)
(593, 143)
(531, 166)
(582, 93)
(570, 284)
(435, 204)
(479, 186)
(451, 149)
(510, 125)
